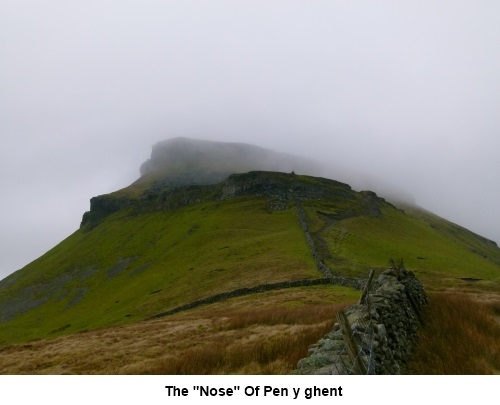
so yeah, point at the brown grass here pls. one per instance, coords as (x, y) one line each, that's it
(261, 334)
(269, 341)
(247, 335)
(306, 315)
(263, 352)
(460, 336)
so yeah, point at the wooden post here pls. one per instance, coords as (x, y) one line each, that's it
(352, 347)
(367, 287)
(396, 268)
(414, 305)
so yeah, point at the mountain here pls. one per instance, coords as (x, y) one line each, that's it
(207, 218)
(192, 161)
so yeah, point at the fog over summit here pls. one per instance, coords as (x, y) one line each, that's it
(182, 160)
(208, 162)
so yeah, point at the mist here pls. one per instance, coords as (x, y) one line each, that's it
(388, 95)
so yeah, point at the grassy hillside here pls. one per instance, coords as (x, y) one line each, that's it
(264, 333)
(148, 251)
(133, 266)
(437, 250)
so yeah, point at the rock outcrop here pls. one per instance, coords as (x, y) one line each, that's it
(281, 190)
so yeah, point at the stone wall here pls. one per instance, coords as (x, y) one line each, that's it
(341, 281)
(320, 265)
(376, 336)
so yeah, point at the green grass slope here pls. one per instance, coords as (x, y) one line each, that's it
(138, 254)
(133, 266)
(441, 253)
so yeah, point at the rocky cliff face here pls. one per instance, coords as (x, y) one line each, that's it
(100, 207)
(285, 186)
(282, 190)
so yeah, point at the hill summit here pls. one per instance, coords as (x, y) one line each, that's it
(189, 161)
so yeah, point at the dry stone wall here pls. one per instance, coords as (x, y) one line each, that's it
(320, 265)
(341, 281)
(375, 337)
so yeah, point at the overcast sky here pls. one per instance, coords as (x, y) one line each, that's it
(407, 91)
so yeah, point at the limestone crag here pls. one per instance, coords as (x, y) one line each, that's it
(100, 207)
(281, 190)
(283, 186)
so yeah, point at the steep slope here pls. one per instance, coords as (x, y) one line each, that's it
(162, 243)
(136, 264)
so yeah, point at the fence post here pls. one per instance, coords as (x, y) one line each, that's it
(397, 269)
(367, 287)
(352, 347)
(414, 305)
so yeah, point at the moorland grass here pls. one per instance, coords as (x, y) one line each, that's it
(460, 336)
(263, 333)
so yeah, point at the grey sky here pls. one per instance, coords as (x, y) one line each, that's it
(406, 91)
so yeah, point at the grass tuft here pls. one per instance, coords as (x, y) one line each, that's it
(460, 336)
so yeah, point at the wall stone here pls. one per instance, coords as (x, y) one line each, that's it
(382, 331)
